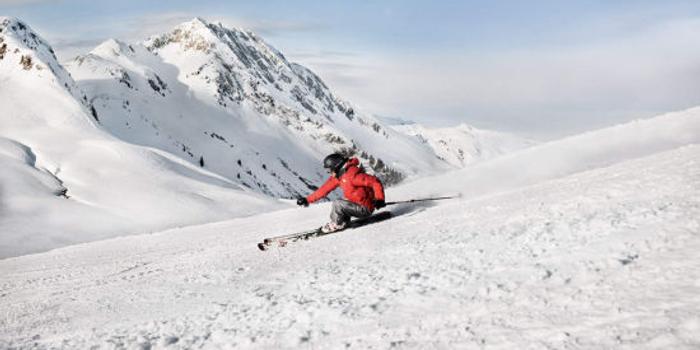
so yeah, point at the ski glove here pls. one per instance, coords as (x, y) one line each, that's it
(302, 202)
(379, 204)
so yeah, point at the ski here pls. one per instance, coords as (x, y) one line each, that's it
(283, 240)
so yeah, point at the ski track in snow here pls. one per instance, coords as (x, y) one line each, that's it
(601, 259)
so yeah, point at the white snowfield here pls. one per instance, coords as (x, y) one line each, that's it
(596, 252)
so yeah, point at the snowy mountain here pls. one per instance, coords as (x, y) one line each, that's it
(66, 180)
(29, 60)
(464, 144)
(224, 99)
(586, 242)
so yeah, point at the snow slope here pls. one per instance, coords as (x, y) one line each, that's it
(464, 144)
(65, 180)
(573, 154)
(605, 258)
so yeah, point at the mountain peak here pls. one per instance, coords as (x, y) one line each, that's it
(197, 23)
(19, 43)
(22, 33)
(198, 32)
(193, 35)
(26, 59)
(11, 22)
(227, 48)
(113, 47)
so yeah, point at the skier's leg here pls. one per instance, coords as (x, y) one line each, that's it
(343, 210)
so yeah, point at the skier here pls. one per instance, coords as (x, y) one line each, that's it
(364, 193)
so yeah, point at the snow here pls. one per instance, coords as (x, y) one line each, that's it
(586, 242)
(600, 259)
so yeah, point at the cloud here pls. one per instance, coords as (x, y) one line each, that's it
(343, 71)
(543, 91)
(21, 2)
(67, 47)
(141, 27)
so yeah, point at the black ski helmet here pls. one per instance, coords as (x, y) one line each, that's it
(334, 162)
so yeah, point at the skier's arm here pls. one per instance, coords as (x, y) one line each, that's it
(330, 185)
(372, 182)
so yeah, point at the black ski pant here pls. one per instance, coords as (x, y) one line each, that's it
(343, 210)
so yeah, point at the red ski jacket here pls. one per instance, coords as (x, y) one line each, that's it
(357, 186)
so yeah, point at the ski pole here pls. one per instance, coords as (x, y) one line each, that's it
(421, 200)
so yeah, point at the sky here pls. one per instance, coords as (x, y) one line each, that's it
(541, 69)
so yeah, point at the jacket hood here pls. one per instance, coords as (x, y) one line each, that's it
(352, 162)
